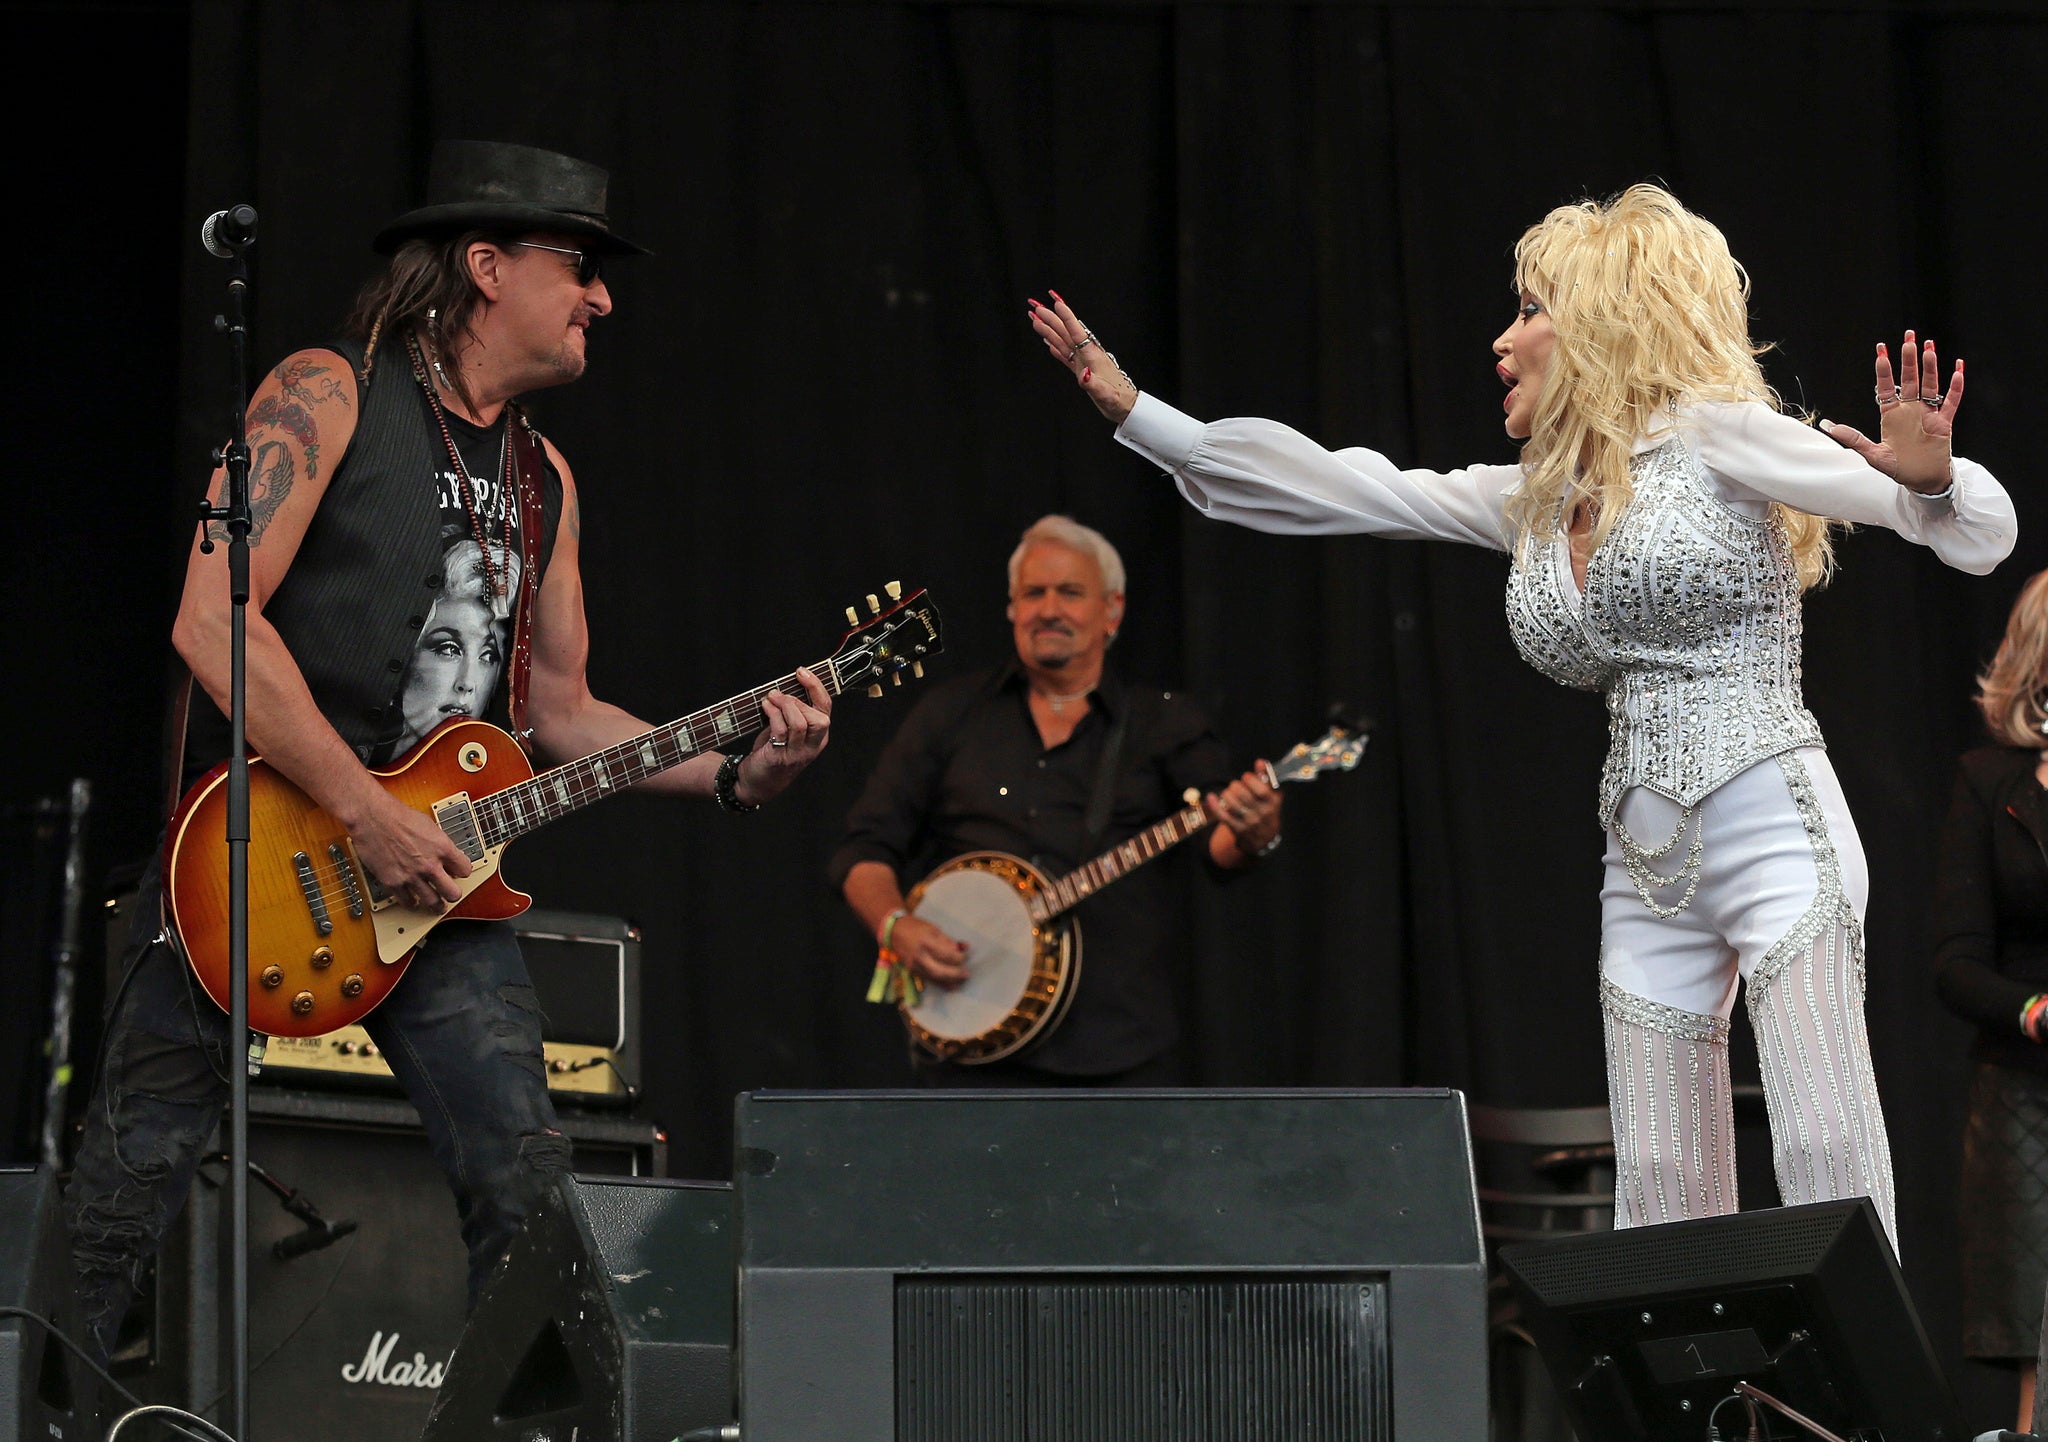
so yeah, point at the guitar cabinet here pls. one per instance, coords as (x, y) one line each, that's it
(586, 972)
(350, 1342)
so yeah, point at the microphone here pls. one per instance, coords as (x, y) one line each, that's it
(318, 1234)
(227, 231)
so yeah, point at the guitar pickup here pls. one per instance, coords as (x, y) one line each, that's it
(457, 818)
(316, 899)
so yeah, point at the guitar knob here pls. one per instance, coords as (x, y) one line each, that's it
(352, 985)
(852, 616)
(894, 590)
(917, 669)
(875, 690)
(273, 977)
(873, 604)
(895, 678)
(323, 957)
(302, 1004)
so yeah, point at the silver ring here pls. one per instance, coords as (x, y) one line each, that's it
(773, 742)
(1934, 401)
(1882, 396)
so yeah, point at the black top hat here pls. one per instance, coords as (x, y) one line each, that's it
(488, 184)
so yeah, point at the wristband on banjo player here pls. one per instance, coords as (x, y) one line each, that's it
(893, 982)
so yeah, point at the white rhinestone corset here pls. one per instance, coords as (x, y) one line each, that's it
(1690, 624)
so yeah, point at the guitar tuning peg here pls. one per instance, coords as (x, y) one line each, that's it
(852, 616)
(917, 669)
(873, 604)
(894, 590)
(875, 690)
(895, 678)
(1190, 796)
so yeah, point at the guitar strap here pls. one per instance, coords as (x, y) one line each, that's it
(526, 468)
(1104, 792)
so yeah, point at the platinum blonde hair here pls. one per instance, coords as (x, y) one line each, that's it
(1651, 312)
(2011, 692)
(1068, 532)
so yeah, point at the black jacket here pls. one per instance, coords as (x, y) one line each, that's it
(1991, 902)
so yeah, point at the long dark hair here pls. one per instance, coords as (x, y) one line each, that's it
(424, 291)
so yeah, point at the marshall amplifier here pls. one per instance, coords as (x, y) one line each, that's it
(351, 1340)
(586, 970)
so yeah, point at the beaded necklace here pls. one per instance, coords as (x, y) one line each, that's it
(499, 579)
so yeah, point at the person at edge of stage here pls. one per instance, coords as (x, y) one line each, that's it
(1007, 760)
(1662, 522)
(1991, 968)
(365, 453)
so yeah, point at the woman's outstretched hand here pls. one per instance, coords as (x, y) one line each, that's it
(1914, 418)
(1074, 346)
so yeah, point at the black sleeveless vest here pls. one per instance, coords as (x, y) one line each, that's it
(368, 570)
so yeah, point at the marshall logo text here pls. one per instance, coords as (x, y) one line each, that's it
(376, 1367)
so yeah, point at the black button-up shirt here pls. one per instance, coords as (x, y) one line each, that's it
(968, 772)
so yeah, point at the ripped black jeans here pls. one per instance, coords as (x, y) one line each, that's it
(462, 1032)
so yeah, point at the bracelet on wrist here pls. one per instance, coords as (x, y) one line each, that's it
(725, 788)
(887, 929)
(1269, 848)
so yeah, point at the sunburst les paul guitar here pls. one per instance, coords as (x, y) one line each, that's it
(327, 943)
(1023, 941)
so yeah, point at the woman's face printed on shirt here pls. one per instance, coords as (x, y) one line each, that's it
(1524, 349)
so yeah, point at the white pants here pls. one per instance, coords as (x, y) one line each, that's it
(1769, 885)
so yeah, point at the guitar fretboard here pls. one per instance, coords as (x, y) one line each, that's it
(506, 815)
(1120, 860)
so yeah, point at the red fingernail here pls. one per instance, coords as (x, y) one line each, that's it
(1087, 372)
(1053, 293)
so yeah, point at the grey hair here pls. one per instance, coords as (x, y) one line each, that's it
(1068, 532)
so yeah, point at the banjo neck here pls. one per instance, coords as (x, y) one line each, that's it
(1120, 860)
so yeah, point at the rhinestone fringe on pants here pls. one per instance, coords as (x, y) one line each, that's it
(1799, 945)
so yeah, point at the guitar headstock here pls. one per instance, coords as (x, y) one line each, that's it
(898, 636)
(1337, 750)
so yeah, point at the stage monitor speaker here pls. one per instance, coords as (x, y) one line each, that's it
(349, 1342)
(1647, 1332)
(1150, 1266)
(610, 1321)
(46, 1393)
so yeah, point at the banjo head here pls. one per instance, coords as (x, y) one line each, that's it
(1019, 972)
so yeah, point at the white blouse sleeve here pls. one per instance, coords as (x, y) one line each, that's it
(1269, 477)
(1753, 449)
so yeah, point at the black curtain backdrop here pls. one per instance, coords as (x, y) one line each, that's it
(823, 380)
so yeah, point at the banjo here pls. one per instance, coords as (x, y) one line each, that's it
(1024, 944)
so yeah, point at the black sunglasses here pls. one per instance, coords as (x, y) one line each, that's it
(589, 264)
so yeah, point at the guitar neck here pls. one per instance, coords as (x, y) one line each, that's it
(506, 815)
(1120, 860)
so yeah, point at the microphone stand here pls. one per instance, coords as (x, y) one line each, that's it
(233, 513)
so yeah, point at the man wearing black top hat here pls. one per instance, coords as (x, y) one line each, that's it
(410, 531)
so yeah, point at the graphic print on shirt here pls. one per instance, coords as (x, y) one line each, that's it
(459, 656)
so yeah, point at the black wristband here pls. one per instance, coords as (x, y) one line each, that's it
(725, 787)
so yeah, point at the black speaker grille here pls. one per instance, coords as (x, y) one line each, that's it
(1646, 1261)
(1187, 1359)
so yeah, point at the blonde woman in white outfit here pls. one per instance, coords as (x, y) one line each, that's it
(1662, 522)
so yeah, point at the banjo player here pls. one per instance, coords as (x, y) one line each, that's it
(1051, 757)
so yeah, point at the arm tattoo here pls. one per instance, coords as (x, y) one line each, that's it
(575, 519)
(272, 468)
(271, 472)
